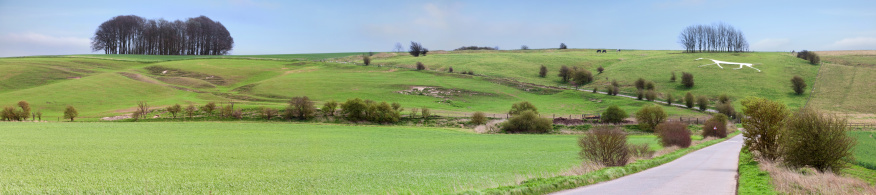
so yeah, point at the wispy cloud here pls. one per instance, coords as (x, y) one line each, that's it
(771, 45)
(857, 43)
(19, 44)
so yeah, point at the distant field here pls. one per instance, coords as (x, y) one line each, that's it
(270, 158)
(865, 151)
(157, 58)
(847, 84)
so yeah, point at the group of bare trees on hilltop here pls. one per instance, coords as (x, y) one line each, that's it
(136, 35)
(712, 38)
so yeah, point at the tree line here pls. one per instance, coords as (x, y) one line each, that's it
(712, 38)
(136, 35)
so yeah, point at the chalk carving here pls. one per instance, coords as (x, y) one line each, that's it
(718, 62)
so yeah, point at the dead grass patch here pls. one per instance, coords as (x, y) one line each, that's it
(809, 181)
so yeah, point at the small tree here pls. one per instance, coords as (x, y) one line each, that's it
(226, 111)
(143, 108)
(600, 69)
(176, 108)
(669, 99)
(703, 103)
(563, 46)
(649, 116)
(817, 140)
(524, 47)
(70, 113)
(689, 100)
(424, 51)
(582, 76)
(425, 112)
(354, 109)
(9, 114)
(209, 108)
(798, 84)
(415, 49)
(723, 98)
(542, 72)
(650, 85)
(614, 115)
(267, 113)
(527, 122)
(672, 79)
(366, 60)
(25, 110)
(726, 109)
(595, 88)
(687, 79)
(640, 83)
(190, 110)
(762, 125)
(39, 115)
(414, 112)
(650, 95)
(478, 118)
(519, 107)
(605, 145)
(329, 107)
(640, 94)
(673, 134)
(565, 73)
(420, 66)
(301, 108)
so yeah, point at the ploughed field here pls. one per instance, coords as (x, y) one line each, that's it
(273, 158)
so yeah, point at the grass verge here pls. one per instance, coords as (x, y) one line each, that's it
(553, 184)
(752, 180)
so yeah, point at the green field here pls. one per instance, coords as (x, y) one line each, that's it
(157, 58)
(846, 85)
(865, 150)
(270, 158)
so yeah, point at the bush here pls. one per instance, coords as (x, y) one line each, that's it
(542, 72)
(414, 112)
(798, 84)
(649, 116)
(366, 60)
(674, 134)
(474, 48)
(527, 122)
(672, 79)
(267, 113)
(420, 66)
(582, 76)
(687, 79)
(702, 103)
(600, 69)
(301, 108)
(640, 94)
(650, 95)
(227, 111)
(614, 90)
(614, 115)
(425, 112)
(190, 110)
(524, 47)
(176, 108)
(479, 118)
(715, 126)
(640, 150)
(811, 138)
(669, 99)
(726, 109)
(9, 114)
(762, 125)
(563, 46)
(382, 113)
(329, 107)
(649, 85)
(565, 73)
(424, 51)
(595, 88)
(640, 83)
(209, 108)
(143, 109)
(812, 57)
(520, 107)
(70, 113)
(354, 109)
(689, 100)
(723, 98)
(605, 145)
(415, 49)
(25, 110)
(450, 70)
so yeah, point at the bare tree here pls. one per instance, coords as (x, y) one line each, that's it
(136, 35)
(398, 47)
(416, 49)
(718, 37)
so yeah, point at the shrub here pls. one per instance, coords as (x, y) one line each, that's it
(687, 79)
(600, 69)
(614, 115)
(726, 109)
(715, 126)
(424, 51)
(227, 111)
(723, 98)
(70, 113)
(669, 99)
(614, 83)
(450, 70)
(811, 138)
(762, 126)
(478, 118)
(524, 47)
(39, 115)
(383, 113)
(614, 90)
(415, 49)
(702, 103)
(267, 113)
(650, 95)
(25, 110)
(542, 72)
(420, 66)
(354, 109)
(176, 108)
(520, 107)
(527, 122)
(238, 114)
(582, 76)
(595, 88)
(563, 46)
(190, 110)
(689, 100)
(640, 94)
(143, 108)
(301, 108)
(397, 107)
(640, 83)
(366, 60)
(672, 79)
(605, 145)
(640, 150)
(812, 57)
(649, 116)
(649, 85)
(674, 134)
(565, 73)
(414, 112)
(798, 84)
(425, 112)
(329, 107)
(9, 114)
(209, 108)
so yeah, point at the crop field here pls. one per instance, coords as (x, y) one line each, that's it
(846, 85)
(270, 158)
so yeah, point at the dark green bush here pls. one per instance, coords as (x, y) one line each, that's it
(542, 72)
(687, 79)
(669, 99)
(763, 123)
(716, 126)
(420, 66)
(478, 118)
(640, 83)
(723, 98)
(650, 95)
(614, 115)
(519, 107)
(689, 100)
(818, 140)
(527, 122)
(649, 116)
(605, 145)
(798, 84)
(726, 109)
(703, 103)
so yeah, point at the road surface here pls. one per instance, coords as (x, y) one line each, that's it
(711, 170)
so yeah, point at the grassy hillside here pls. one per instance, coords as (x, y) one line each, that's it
(846, 84)
(270, 158)
(627, 66)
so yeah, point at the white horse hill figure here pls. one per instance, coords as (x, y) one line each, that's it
(718, 62)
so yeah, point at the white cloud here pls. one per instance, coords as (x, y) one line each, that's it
(21, 44)
(858, 43)
(771, 45)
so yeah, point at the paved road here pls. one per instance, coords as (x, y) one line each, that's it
(711, 170)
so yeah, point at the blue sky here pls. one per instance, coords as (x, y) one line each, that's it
(37, 27)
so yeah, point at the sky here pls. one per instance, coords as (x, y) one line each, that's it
(38, 27)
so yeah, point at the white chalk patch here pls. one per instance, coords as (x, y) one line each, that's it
(718, 62)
